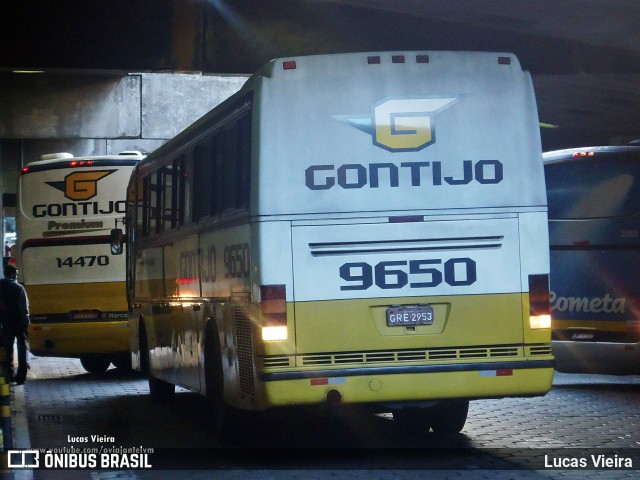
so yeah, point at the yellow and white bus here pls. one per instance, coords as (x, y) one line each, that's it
(71, 256)
(350, 228)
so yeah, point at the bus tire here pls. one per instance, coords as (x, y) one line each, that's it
(221, 414)
(450, 416)
(159, 390)
(95, 364)
(413, 420)
(122, 363)
(143, 349)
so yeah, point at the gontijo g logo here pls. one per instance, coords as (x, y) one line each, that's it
(401, 124)
(80, 186)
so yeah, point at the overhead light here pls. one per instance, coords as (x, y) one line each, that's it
(28, 71)
(548, 125)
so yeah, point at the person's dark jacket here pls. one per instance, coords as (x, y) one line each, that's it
(14, 305)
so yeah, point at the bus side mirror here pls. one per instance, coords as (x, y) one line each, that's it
(116, 241)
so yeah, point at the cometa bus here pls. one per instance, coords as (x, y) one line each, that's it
(352, 228)
(594, 229)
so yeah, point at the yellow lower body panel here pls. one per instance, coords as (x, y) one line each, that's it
(78, 339)
(59, 319)
(63, 298)
(388, 388)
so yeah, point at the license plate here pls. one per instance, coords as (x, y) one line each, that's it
(409, 316)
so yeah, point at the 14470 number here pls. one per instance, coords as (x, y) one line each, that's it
(85, 261)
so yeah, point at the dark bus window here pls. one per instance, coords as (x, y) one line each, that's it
(601, 188)
(201, 185)
(145, 215)
(243, 175)
(156, 201)
(229, 139)
(169, 198)
(178, 193)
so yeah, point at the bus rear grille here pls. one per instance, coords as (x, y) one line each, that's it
(540, 350)
(406, 356)
(503, 352)
(245, 349)
(401, 246)
(275, 361)
(379, 357)
(442, 354)
(411, 356)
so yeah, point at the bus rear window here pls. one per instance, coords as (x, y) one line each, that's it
(593, 189)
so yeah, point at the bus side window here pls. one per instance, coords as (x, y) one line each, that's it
(216, 179)
(229, 139)
(156, 196)
(177, 193)
(145, 218)
(169, 197)
(201, 190)
(243, 175)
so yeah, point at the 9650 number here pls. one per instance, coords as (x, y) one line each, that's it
(397, 274)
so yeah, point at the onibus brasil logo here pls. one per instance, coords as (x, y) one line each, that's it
(401, 124)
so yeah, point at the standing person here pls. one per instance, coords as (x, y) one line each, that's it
(14, 317)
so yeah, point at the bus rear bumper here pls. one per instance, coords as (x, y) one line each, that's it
(413, 384)
(612, 358)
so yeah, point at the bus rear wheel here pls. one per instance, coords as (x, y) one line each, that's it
(413, 420)
(122, 363)
(95, 364)
(450, 416)
(159, 390)
(222, 415)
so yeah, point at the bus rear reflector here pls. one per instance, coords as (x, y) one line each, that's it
(539, 307)
(273, 312)
(289, 65)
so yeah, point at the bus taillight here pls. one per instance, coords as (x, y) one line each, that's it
(273, 312)
(539, 306)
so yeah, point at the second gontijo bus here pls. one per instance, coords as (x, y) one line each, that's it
(71, 259)
(594, 227)
(352, 228)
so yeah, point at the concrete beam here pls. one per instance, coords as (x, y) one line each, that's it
(69, 106)
(172, 102)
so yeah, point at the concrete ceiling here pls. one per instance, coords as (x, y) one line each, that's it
(584, 55)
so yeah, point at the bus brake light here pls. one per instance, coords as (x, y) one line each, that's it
(80, 163)
(539, 306)
(584, 154)
(273, 312)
